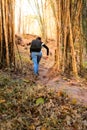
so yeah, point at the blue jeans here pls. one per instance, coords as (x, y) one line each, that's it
(36, 57)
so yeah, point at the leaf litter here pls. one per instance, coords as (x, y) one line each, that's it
(25, 105)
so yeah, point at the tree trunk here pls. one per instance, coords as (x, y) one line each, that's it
(7, 33)
(5, 29)
(74, 65)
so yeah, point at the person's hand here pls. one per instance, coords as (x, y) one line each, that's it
(28, 44)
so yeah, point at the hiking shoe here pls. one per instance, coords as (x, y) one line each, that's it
(35, 76)
(38, 74)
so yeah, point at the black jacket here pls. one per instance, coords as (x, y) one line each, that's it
(36, 46)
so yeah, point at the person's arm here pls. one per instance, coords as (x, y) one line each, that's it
(46, 48)
(28, 44)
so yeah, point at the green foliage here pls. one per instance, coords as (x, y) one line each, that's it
(40, 101)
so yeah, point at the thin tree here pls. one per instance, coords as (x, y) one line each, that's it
(7, 55)
(56, 8)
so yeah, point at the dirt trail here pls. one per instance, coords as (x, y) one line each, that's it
(75, 89)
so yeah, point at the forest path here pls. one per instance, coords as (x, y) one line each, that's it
(75, 89)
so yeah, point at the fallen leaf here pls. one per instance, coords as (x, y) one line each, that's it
(2, 100)
(40, 101)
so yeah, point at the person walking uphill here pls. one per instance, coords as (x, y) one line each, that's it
(36, 53)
